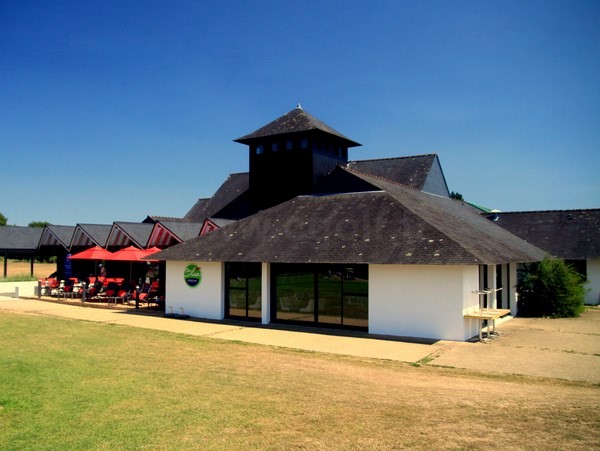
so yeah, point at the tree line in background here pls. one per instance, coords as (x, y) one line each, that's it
(4, 221)
(39, 259)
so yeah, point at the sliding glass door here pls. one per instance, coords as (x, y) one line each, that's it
(243, 290)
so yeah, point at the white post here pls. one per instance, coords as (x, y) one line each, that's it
(491, 285)
(512, 288)
(265, 293)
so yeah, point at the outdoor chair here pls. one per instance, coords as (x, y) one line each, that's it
(111, 292)
(67, 288)
(95, 290)
(149, 293)
(124, 295)
(48, 285)
(143, 292)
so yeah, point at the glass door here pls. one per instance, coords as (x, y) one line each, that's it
(243, 290)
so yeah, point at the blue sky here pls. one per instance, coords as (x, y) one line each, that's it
(114, 110)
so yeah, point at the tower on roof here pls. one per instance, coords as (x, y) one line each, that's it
(289, 155)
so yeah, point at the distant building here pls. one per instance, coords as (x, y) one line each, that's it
(571, 235)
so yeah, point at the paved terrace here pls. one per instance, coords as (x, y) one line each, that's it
(560, 348)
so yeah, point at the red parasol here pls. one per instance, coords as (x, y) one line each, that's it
(132, 254)
(93, 253)
(152, 250)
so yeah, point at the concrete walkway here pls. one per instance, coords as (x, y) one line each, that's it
(304, 340)
(564, 348)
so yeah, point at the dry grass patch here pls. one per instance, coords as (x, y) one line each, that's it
(72, 384)
(16, 268)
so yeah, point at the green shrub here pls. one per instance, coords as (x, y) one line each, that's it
(551, 288)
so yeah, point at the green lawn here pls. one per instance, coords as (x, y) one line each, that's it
(68, 384)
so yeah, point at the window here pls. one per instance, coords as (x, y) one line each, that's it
(289, 145)
(324, 295)
(260, 149)
(274, 147)
(304, 143)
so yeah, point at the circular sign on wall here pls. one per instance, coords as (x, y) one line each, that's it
(192, 275)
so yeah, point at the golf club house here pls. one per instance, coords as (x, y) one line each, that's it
(307, 237)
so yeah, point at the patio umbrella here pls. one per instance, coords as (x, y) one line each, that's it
(129, 254)
(93, 253)
(152, 250)
(132, 254)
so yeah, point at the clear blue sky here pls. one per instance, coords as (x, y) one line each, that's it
(113, 110)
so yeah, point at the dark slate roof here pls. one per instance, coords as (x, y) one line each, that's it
(152, 219)
(57, 235)
(341, 180)
(397, 225)
(19, 240)
(86, 235)
(461, 223)
(297, 120)
(219, 222)
(184, 230)
(410, 171)
(233, 188)
(566, 234)
(123, 233)
(196, 211)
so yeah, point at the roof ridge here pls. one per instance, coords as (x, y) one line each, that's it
(92, 224)
(547, 211)
(395, 158)
(378, 177)
(176, 218)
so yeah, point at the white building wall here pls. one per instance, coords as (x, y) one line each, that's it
(592, 297)
(206, 300)
(423, 301)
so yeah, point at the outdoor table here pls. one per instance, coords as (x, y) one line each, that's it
(491, 315)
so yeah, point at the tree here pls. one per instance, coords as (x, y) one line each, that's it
(551, 288)
(456, 196)
(3, 220)
(38, 224)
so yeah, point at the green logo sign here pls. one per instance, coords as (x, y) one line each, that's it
(192, 275)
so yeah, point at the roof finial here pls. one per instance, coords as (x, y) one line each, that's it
(299, 106)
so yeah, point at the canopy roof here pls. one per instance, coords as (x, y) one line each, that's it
(57, 235)
(129, 233)
(19, 240)
(90, 234)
